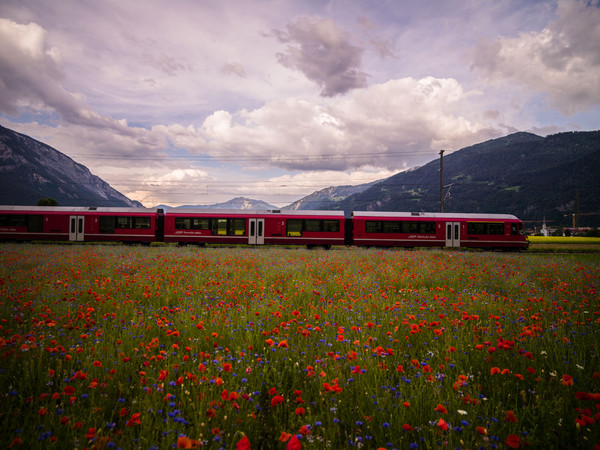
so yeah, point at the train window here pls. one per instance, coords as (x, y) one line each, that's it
(225, 227)
(427, 227)
(514, 228)
(475, 228)
(123, 222)
(141, 223)
(373, 226)
(294, 227)
(485, 228)
(219, 227)
(138, 223)
(13, 220)
(496, 228)
(396, 226)
(332, 226)
(201, 223)
(392, 226)
(183, 223)
(237, 227)
(312, 225)
(192, 223)
(106, 224)
(35, 223)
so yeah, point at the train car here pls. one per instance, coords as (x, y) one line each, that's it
(389, 229)
(63, 223)
(310, 228)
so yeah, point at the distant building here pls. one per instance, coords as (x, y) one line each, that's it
(544, 230)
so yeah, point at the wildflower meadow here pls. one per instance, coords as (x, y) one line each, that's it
(275, 348)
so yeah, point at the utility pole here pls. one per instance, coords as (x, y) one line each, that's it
(441, 180)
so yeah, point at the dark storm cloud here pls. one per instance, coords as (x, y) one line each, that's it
(322, 51)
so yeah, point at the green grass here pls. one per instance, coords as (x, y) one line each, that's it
(125, 347)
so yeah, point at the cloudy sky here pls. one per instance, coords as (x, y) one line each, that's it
(200, 101)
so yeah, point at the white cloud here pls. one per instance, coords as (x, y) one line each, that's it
(394, 125)
(561, 61)
(29, 69)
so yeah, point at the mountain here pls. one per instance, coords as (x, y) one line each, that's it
(530, 176)
(325, 197)
(31, 170)
(235, 203)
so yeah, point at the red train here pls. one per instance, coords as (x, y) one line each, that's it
(310, 228)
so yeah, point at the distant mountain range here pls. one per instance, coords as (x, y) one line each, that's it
(325, 197)
(235, 203)
(529, 176)
(555, 177)
(31, 170)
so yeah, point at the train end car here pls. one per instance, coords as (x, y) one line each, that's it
(419, 229)
(78, 224)
(254, 227)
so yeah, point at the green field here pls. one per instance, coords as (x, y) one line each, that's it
(575, 244)
(271, 348)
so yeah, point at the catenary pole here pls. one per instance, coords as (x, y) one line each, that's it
(441, 180)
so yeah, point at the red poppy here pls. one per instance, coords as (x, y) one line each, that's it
(97, 364)
(284, 436)
(513, 441)
(90, 434)
(304, 430)
(243, 444)
(294, 444)
(300, 411)
(277, 400)
(407, 427)
(134, 420)
(567, 380)
(184, 442)
(442, 425)
(440, 408)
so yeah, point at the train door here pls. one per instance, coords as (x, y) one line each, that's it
(76, 224)
(256, 234)
(452, 234)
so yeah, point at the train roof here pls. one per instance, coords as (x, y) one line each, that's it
(77, 209)
(409, 215)
(253, 212)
